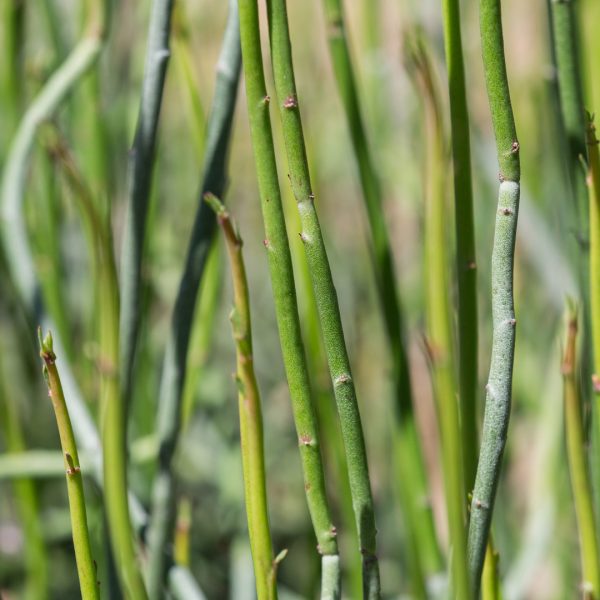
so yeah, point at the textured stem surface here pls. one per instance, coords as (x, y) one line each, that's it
(465, 239)
(86, 568)
(418, 514)
(499, 386)
(286, 309)
(141, 160)
(174, 367)
(251, 425)
(578, 464)
(325, 294)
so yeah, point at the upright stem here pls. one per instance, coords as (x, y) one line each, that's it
(499, 387)
(251, 426)
(81, 539)
(139, 182)
(578, 464)
(438, 313)
(465, 239)
(418, 515)
(490, 578)
(325, 294)
(286, 308)
(175, 362)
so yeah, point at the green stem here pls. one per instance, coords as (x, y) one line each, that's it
(465, 239)
(251, 426)
(578, 464)
(499, 387)
(490, 579)
(81, 539)
(418, 514)
(438, 311)
(139, 184)
(286, 308)
(325, 294)
(176, 356)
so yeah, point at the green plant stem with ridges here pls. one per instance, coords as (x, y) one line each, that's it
(325, 294)
(81, 540)
(465, 239)
(169, 417)
(418, 514)
(139, 183)
(251, 425)
(499, 386)
(438, 310)
(286, 308)
(578, 465)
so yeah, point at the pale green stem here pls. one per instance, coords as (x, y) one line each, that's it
(325, 295)
(251, 425)
(499, 386)
(490, 578)
(86, 568)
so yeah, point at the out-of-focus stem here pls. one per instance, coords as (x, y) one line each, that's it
(81, 539)
(139, 182)
(499, 386)
(174, 367)
(438, 311)
(325, 294)
(578, 464)
(251, 426)
(465, 240)
(418, 515)
(286, 308)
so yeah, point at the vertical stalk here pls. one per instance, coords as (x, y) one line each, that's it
(465, 239)
(284, 292)
(251, 426)
(418, 515)
(578, 464)
(81, 540)
(325, 294)
(139, 183)
(174, 367)
(490, 578)
(499, 387)
(438, 312)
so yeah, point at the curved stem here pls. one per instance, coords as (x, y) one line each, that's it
(174, 367)
(251, 426)
(325, 294)
(286, 308)
(81, 540)
(499, 386)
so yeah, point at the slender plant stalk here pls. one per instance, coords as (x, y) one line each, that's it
(418, 514)
(438, 310)
(594, 260)
(81, 539)
(578, 465)
(139, 184)
(286, 308)
(113, 408)
(499, 387)
(465, 240)
(251, 426)
(325, 294)
(174, 368)
(490, 579)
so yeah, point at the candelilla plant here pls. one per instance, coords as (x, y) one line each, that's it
(371, 247)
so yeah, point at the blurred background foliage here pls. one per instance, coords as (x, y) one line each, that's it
(534, 523)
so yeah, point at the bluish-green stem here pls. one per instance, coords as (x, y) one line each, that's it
(418, 515)
(499, 386)
(465, 240)
(174, 367)
(325, 294)
(286, 308)
(251, 424)
(141, 161)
